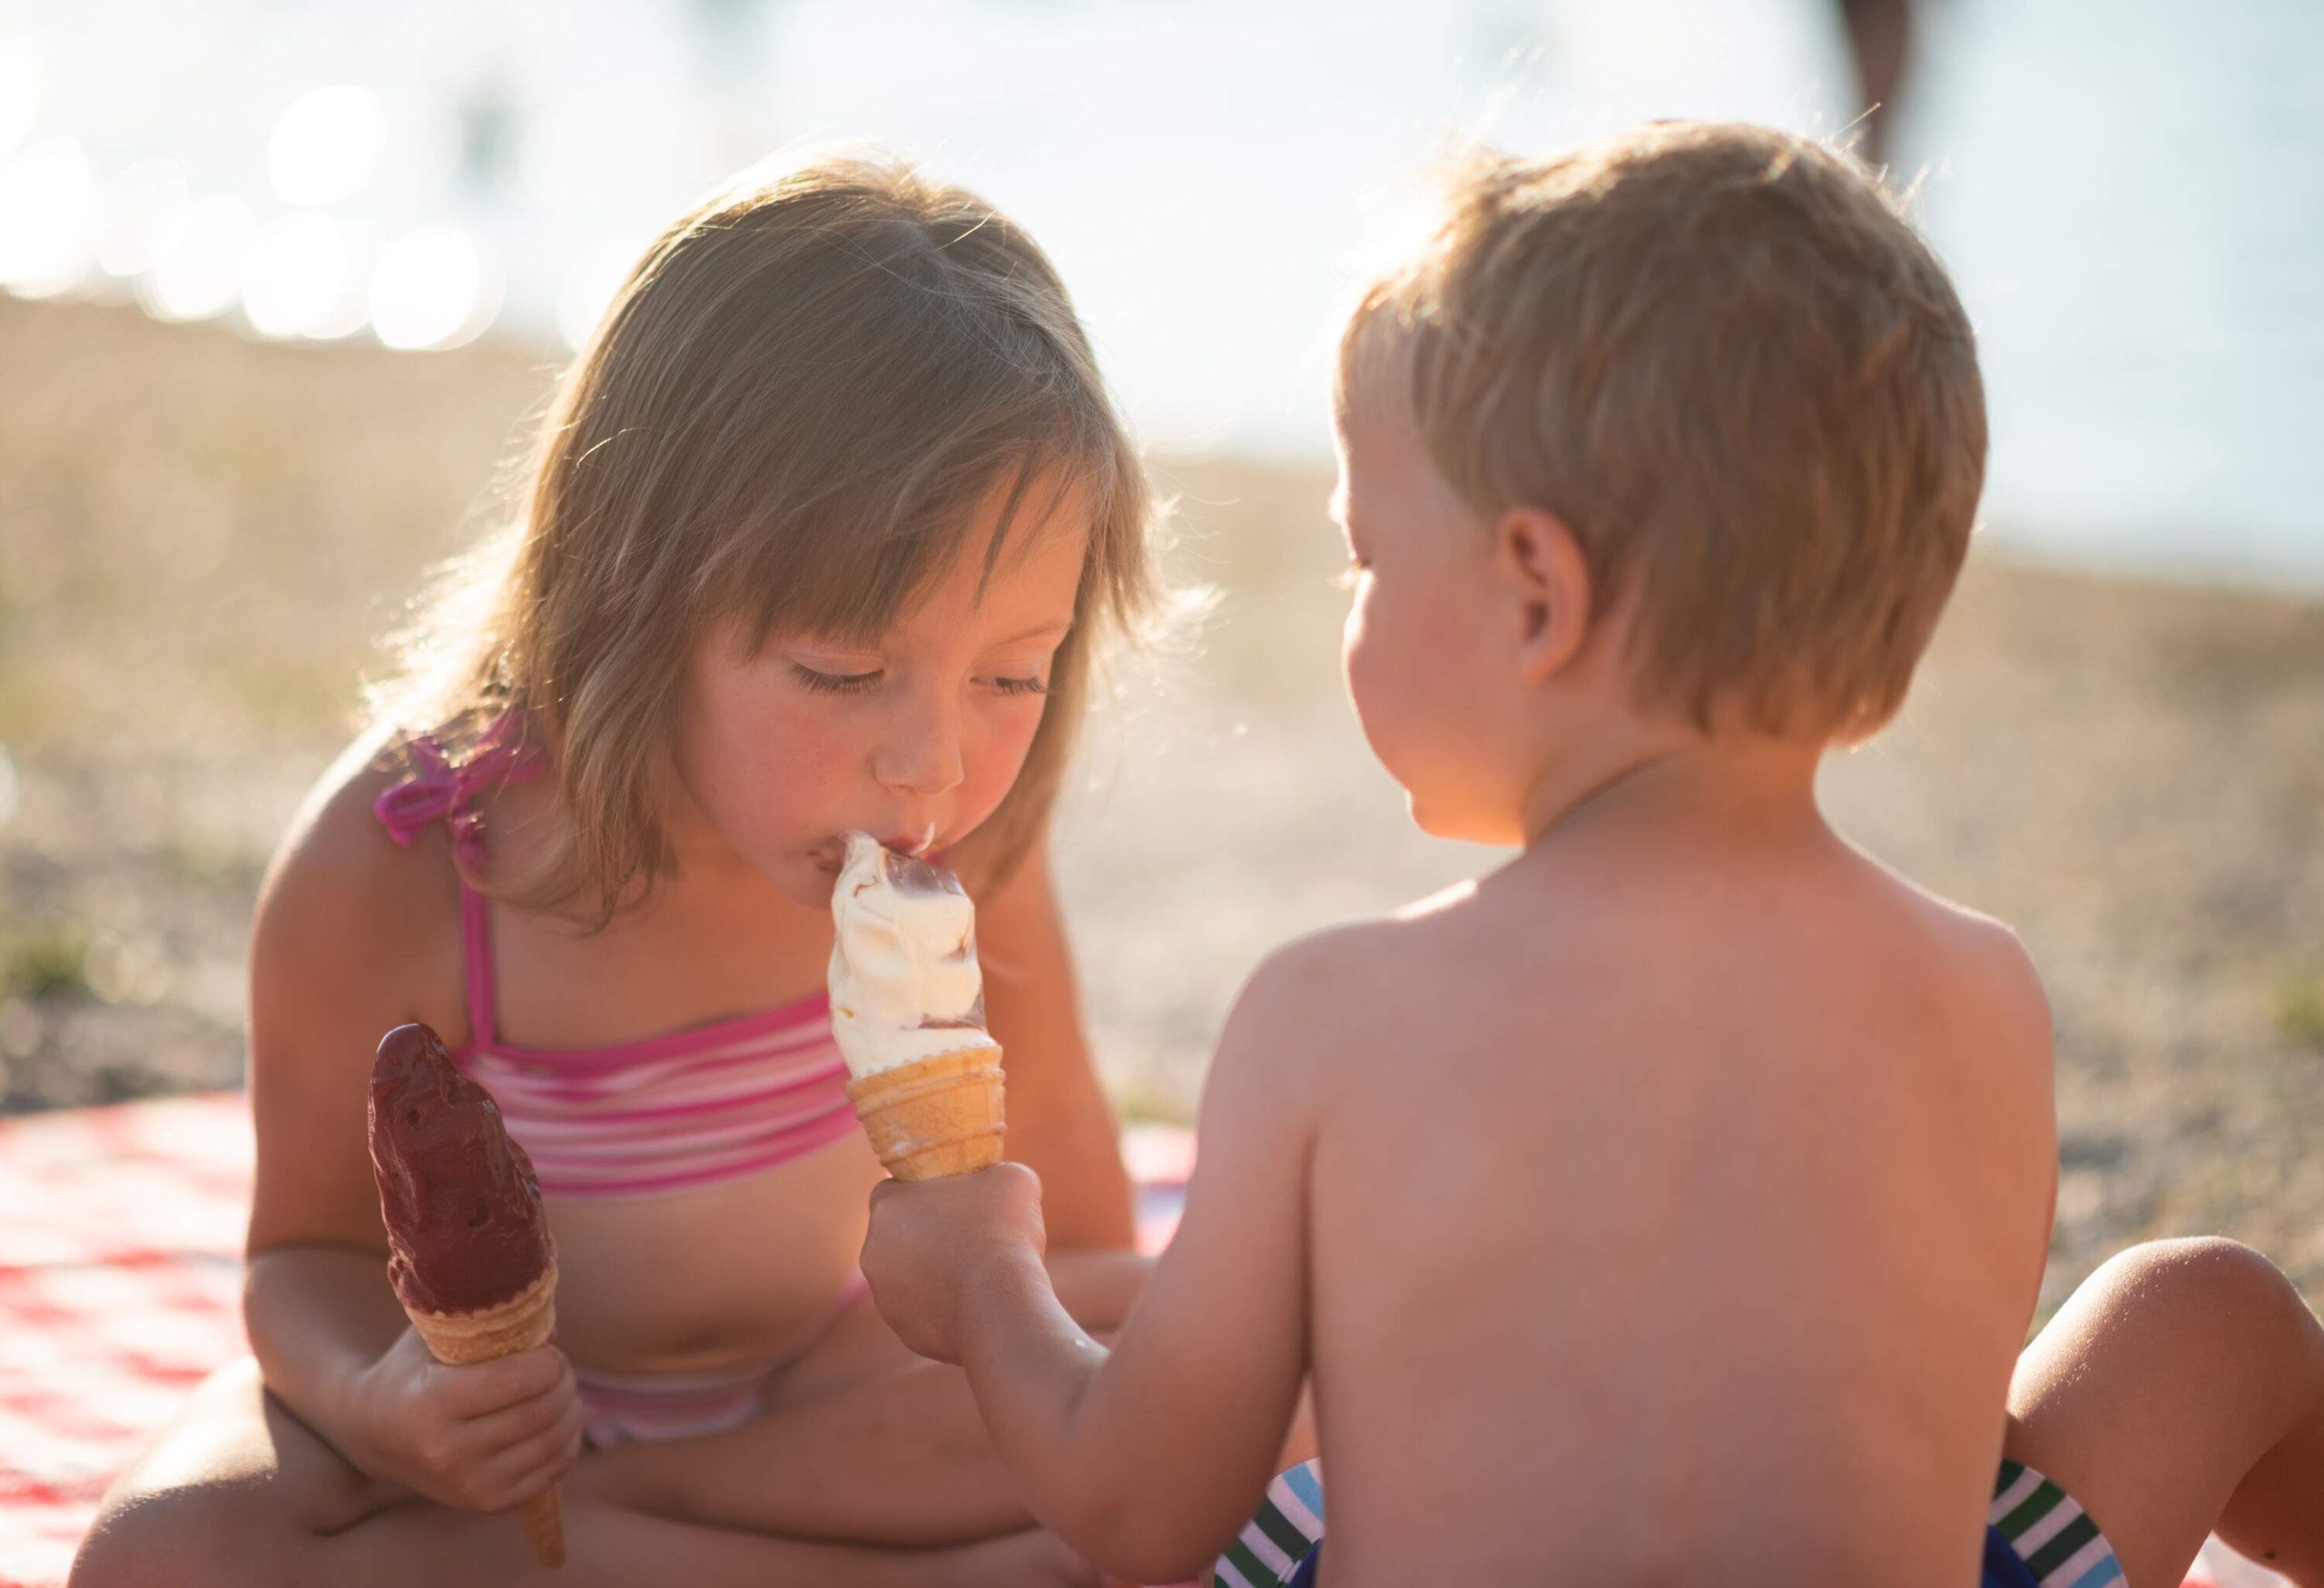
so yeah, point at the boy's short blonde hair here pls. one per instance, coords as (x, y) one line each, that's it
(1721, 355)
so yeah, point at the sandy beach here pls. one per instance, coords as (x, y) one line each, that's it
(200, 538)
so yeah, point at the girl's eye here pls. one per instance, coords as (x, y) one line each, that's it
(1355, 570)
(835, 682)
(1021, 686)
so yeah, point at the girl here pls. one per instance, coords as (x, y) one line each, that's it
(820, 533)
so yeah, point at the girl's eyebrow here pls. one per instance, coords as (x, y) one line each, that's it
(1055, 628)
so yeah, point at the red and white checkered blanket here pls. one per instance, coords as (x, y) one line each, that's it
(120, 1289)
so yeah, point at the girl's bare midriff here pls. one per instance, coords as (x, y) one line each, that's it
(746, 1270)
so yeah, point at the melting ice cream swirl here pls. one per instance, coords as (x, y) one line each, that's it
(904, 981)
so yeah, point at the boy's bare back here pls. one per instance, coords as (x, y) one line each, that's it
(1677, 1202)
(1671, 1206)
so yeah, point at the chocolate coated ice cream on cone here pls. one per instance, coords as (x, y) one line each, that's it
(470, 1257)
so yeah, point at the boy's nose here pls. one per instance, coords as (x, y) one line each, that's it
(923, 760)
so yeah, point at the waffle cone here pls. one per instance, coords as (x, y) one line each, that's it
(934, 1117)
(518, 1325)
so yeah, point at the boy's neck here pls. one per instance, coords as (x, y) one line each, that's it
(1663, 773)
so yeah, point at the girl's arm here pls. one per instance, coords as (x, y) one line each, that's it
(1060, 1124)
(1147, 1459)
(347, 928)
(323, 987)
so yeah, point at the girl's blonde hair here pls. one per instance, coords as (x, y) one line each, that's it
(790, 417)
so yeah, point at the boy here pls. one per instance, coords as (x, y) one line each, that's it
(1670, 1205)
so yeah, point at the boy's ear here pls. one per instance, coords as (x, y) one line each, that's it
(1540, 560)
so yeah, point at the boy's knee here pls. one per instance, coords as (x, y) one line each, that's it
(2208, 1285)
(2207, 1270)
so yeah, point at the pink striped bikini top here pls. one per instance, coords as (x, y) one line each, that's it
(664, 1114)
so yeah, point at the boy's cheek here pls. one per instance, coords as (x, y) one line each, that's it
(1429, 743)
(1395, 710)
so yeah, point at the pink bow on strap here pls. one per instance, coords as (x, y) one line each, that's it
(439, 791)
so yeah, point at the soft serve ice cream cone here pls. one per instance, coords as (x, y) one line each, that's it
(908, 1013)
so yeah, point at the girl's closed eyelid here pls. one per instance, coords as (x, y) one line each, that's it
(857, 683)
(833, 682)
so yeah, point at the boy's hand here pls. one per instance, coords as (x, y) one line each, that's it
(479, 1437)
(930, 1241)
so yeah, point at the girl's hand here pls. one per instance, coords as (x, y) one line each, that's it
(929, 1243)
(479, 1437)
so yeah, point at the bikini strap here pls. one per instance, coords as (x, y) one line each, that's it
(475, 954)
(440, 790)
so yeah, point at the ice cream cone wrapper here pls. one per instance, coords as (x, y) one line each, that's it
(518, 1325)
(934, 1117)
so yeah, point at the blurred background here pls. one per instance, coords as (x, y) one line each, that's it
(286, 282)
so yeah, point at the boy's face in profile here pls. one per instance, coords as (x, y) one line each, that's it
(1436, 694)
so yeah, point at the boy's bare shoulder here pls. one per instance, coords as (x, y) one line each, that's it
(1299, 1018)
(1978, 961)
(1349, 988)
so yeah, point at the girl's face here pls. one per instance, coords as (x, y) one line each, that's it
(914, 739)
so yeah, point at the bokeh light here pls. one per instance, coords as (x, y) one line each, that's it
(200, 275)
(351, 310)
(20, 91)
(435, 287)
(139, 216)
(295, 275)
(585, 150)
(590, 282)
(44, 218)
(326, 144)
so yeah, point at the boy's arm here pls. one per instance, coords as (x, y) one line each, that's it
(1059, 1121)
(1148, 1458)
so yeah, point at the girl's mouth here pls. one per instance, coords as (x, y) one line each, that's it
(916, 844)
(831, 854)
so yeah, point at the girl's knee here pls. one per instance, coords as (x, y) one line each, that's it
(191, 1536)
(232, 1490)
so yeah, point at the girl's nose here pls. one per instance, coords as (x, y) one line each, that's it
(922, 757)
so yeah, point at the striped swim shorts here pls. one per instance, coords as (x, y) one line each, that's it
(2035, 1537)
